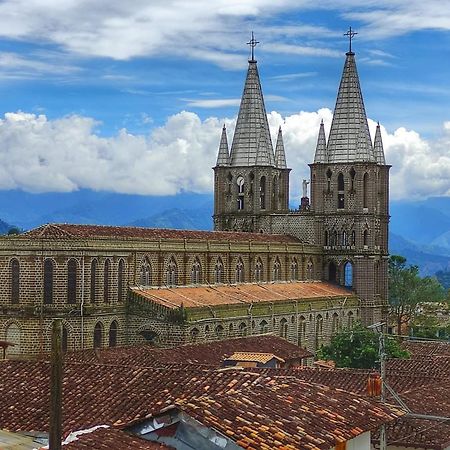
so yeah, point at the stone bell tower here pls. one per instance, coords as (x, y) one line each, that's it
(350, 199)
(251, 181)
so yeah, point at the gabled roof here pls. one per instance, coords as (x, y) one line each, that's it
(349, 139)
(251, 139)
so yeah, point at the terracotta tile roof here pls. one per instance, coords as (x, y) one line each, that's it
(209, 354)
(111, 438)
(427, 348)
(437, 366)
(68, 231)
(247, 406)
(253, 356)
(200, 296)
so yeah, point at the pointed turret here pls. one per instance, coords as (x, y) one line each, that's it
(321, 148)
(252, 135)
(280, 155)
(378, 147)
(349, 139)
(223, 157)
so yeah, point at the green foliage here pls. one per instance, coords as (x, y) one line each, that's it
(359, 348)
(407, 290)
(429, 326)
(443, 277)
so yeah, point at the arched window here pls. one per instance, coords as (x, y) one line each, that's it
(335, 238)
(276, 270)
(319, 330)
(332, 272)
(310, 270)
(113, 334)
(94, 281)
(301, 331)
(243, 329)
(326, 238)
(15, 281)
(241, 192)
(284, 328)
(195, 333)
(120, 279)
(366, 238)
(106, 282)
(196, 272)
(230, 330)
(48, 281)
(353, 238)
(146, 273)
(352, 179)
(348, 274)
(275, 193)
(72, 281)
(240, 271)
(218, 271)
(366, 190)
(259, 271)
(65, 339)
(335, 323)
(219, 331)
(172, 272)
(263, 327)
(344, 238)
(350, 319)
(329, 174)
(262, 193)
(294, 269)
(341, 193)
(98, 335)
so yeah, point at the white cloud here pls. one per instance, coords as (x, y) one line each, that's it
(41, 155)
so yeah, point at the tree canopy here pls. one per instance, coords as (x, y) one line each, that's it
(407, 290)
(359, 348)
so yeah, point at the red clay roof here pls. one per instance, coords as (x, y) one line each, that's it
(427, 348)
(68, 231)
(209, 354)
(199, 296)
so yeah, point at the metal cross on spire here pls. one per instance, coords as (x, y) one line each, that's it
(253, 42)
(351, 34)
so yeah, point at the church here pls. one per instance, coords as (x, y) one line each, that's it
(302, 274)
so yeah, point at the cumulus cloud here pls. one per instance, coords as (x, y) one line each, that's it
(42, 155)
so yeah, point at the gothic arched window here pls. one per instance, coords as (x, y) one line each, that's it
(352, 179)
(341, 193)
(276, 270)
(98, 335)
(106, 281)
(172, 273)
(243, 329)
(350, 319)
(275, 193)
(72, 281)
(93, 280)
(262, 193)
(113, 334)
(348, 274)
(301, 331)
(196, 272)
(366, 238)
(310, 270)
(219, 331)
(263, 327)
(15, 281)
(120, 280)
(366, 190)
(241, 192)
(335, 323)
(294, 269)
(319, 330)
(240, 271)
(284, 328)
(48, 281)
(259, 271)
(218, 271)
(146, 272)
(329, 174)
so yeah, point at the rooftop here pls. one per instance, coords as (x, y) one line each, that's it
(199, 296)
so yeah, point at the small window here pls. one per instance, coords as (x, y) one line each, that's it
(48, 281)
(93, 281)
(106, 281)
(263, 327)
(240, 271)
(335, 323)
(113, 334)
(219, 331)
(241, 192)
(259, 275)
(294, 269)
(329, 174)
(15, 281)
(120, 280)
(301, 331)
(196, 272)
(366, 190)
(341, 193)
(276, 270)
(146, 272)
(262, 193)
(218, 272)
(243, 329)
(98, 335)
(72, 281)
(284, 328)
(172, 273)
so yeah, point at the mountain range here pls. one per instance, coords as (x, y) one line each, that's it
(419, 230)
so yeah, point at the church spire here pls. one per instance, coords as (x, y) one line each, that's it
(223, 157)
(378, 147)
(321, 148)
(280, 155)
(252, 135)
(349, 139)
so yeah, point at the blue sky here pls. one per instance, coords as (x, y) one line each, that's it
(100, 94)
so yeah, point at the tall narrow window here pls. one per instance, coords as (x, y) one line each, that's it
(319, 331)
(94, 281)
(65, 339)
(310, 270)
(366, 190)
(366, 238)
(352, 179)
(344, 238)
(120, 280)
(146, 272)
(172, 273)
(341, 193)
(262, 193)
(113, 334)
(72, 281)
(259, 275)
(329, 174)
(218, 271)
(348, 274)
(106, 282)
(241, 193)
(301, 331)
(294, 269)
(335, 323)
(240, 271)
(276, 276)
(48, 281)
(327, 238)
(15, 281)
(350, 319)
(98, 335)
(284, 328)
(353, 238)
(196, 272)
(275, 194)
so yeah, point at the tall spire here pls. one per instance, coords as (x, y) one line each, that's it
(223, 157)
(378, 147)
(280, 155)
(252, 135)
(349, 139)
(321, 148)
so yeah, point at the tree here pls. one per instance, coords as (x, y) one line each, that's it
(407, 290)
(358, 348)
(13, 231)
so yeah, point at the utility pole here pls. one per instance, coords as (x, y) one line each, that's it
(56, 387)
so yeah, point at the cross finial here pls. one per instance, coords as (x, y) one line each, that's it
(253, 42)
(351, 34)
